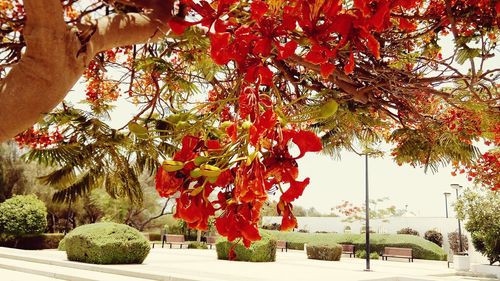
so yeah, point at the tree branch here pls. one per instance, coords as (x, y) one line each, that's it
(55, 58)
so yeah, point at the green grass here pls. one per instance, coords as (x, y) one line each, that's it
(422, 249)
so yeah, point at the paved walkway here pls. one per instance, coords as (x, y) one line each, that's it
(202, 265)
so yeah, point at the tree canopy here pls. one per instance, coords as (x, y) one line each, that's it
(224, 88)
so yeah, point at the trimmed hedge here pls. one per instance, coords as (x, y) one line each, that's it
(106, 243)
(23, 214)
(40, 241)
(295, 245)
(263, 250)
(422, 249)
(197, 245)
(154, 236)
(361, 254)
(31, 241)
(324, 251)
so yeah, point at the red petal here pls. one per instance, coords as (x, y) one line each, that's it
(288, 221)
(381, 16)
(406, 25)
(349, 67)
(250, 233)
(318, 54)
(287, 50)
(231, 132)
(258, 9)
(220, 26)
(262, 47)
(218, 43)
(343, 26)
(327, 69)
(362, 5)
(373, 45)
(266, 76)
(213, 144)
(178, 26)
(295, 190)
(253, 135)
(307, 141)
(166, 183)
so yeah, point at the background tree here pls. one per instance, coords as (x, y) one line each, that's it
(12, 169)
(353, 71)
(480, 209)
(352, 213)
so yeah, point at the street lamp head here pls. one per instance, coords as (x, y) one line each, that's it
(447, 194)
(456, 186)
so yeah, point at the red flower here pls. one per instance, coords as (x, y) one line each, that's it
(287, 50)
(195, 210)
(327, 69)
(262, 126)
(249, 185)
(307, 141)
(288, 221)
(247, 102)
(319, 54)
(349, 67)
(282, 167)
(178, 26)
(218, 45)
(231, 132)
(167, 183)
(239, 221)
(294, 191)
(188, 150)
(258, 9)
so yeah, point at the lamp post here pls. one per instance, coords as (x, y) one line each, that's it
(460, 245)
(367, 216)
(446, 195)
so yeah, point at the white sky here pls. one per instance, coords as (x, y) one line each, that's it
(335, 180)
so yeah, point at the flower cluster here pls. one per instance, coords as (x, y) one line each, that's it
(214, 177)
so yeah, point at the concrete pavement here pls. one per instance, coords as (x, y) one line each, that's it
(202, 265)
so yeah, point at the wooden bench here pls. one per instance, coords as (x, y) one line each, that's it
(211, 241)
(348, 249)
(394, 252)
(173, 239)
(283, 245)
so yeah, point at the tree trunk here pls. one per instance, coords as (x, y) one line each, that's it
(55, 58)
(198, 236)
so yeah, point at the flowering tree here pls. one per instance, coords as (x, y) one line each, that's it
(224, 87)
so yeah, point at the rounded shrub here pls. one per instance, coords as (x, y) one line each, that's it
(263, 250)
(455, 242)
(434, 236)
(408, 230)
(106, 243)
(324, 251)
(23, 214)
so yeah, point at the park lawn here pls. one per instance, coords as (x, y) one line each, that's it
(422, 249)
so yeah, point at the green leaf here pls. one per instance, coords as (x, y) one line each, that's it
(138, 130)
(466, 53)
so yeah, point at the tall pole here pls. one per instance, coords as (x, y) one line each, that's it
(446, 194)
(459, 232)
(367, 214)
